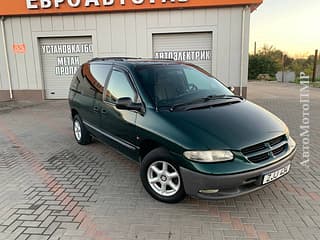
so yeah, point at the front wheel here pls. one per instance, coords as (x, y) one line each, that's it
(80, 132)
(161, 177)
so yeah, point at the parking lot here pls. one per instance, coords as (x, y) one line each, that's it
(52, 188)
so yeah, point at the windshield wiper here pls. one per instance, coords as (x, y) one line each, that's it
(224, 96)
(204, 99)
(173, 107)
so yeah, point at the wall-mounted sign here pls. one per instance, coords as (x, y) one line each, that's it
(66, 63)
(191, 55)
(31, 7)
(19, 48)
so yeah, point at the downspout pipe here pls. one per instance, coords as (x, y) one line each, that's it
(3, 33)
(244, 13)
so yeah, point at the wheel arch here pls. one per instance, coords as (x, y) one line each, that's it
(74, 112)
(146, 146)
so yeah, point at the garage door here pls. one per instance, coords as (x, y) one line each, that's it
(190, 47)
(61, 57)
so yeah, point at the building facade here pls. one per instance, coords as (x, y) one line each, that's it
(43, 42)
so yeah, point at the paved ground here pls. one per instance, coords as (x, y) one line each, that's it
(52, 188)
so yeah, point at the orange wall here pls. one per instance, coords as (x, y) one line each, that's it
(19, 7)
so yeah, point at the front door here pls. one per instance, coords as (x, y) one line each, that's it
(119, 125)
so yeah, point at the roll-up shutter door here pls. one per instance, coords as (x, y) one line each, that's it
(195, 48)
(61, 57)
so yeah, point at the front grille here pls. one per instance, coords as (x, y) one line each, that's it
(277, 140)
(279, 150)
(266, 150)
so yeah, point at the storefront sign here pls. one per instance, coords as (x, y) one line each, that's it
(19, 48)
(36, 4)
(192, 55)
(31, 7)
(66, 63)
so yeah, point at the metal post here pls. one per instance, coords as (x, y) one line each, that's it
(283, 58)
(315, 66)
(244, 12)
(6, 57)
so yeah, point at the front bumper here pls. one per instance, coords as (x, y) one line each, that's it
(231, 185)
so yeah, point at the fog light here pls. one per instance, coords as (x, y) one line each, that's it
(209, 191)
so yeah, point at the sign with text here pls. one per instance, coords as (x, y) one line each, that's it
(19, 48)
(67, 60)
(31, 7)
(191, 55)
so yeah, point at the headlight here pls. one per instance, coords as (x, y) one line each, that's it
(209, 156)
(291, 143)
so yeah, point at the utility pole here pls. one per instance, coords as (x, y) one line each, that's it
(255, 48)
(283, 65)
(315, 66)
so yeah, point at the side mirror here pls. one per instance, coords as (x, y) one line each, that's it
(126, 103)
(231, 89)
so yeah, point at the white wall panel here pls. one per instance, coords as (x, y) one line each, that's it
(79, 22)
(223, 45)
(46, 23)
(104, 34)
(29, 56)
(90, 21)
(199, 16)
(68, 22)
(141, 35)
(176, 17)
(118, 34)
(11, 56)
(235, 47)
(57, 23)
(3, 70)
(130, 29)
(126, 34)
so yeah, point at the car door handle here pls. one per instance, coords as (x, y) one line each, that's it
(96, 109)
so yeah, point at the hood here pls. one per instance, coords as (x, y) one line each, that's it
(232, 126)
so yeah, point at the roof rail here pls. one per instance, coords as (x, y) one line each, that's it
(129, 58)
(112, 58)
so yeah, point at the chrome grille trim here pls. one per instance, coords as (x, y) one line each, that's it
(266, 150)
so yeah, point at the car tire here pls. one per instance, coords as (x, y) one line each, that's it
(80, 132)
(161, 177)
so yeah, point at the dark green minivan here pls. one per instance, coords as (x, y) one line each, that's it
(189, 133)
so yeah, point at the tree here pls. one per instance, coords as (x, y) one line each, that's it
(262, 64)
(302, 65)
(267, 61)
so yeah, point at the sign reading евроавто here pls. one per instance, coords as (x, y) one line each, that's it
(40, 7)
(35, 4)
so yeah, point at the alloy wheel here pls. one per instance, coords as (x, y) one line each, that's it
(163, 178)
(77, 130)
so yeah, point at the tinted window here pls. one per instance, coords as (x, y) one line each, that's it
(172, 84)
(119, 86)
(100, 72)
(94, 76)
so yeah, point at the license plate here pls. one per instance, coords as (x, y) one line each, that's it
(276, 174)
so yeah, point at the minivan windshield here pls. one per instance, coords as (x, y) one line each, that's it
(168, 85)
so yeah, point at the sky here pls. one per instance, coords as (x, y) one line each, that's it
(292, 26)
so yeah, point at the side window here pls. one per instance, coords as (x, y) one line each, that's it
(94, 77)
(119, 86)
(99, 73)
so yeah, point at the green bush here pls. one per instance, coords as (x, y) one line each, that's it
(262, 64)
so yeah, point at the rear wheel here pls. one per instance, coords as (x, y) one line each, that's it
(80, 132)
(161, 177)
